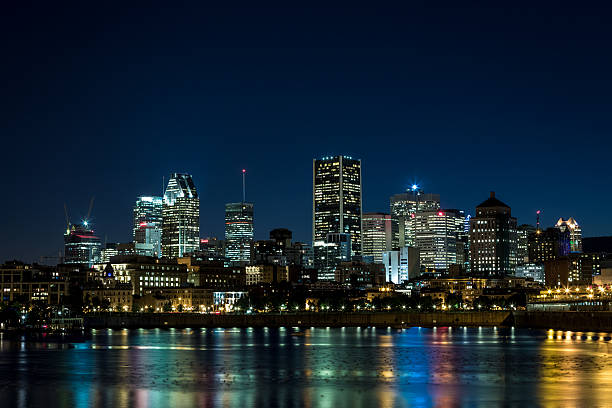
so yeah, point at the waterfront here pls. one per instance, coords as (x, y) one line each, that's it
(319, 367)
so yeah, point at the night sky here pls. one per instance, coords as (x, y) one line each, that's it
(103, 100)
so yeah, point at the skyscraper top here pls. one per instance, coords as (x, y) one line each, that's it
(179, 185)
(492, 202)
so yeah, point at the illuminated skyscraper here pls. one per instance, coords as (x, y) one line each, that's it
(522, 243)
(493, 246)
(336, 199)
(238, 232)
(439, 238)
(404, 207)
(147, 229)
(81, 246)
(379, 235)
(180, 217)
(575, 233)
(330, 253)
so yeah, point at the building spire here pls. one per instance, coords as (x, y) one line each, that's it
(243, 185)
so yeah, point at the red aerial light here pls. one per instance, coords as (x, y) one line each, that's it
(440, 213)
(244, 170)
(204, 241)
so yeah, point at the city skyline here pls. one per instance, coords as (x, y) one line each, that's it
(417, 93)
(261, 234)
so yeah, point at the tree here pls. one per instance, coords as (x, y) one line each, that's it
(167, 307)
(180, 308)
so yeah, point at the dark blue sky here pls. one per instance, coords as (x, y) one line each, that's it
(102, 100)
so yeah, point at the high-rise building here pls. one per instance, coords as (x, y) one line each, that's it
(180, 217)
(239, 232)
(147, 230)
(401, 264)
(438, 237)
(81, 246)
(378, 233)
(404, 207)
(552, 243)
(575, 233)
(330, 253)
(336, 199)
(522, 243)
(531, 270)
(493, 245)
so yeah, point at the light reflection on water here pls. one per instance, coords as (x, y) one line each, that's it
(345, 367)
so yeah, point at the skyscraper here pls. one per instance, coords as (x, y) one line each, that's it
(404, 207)
(575, 233)
(147, 230)
(438, 237)
(379, 234)
(522, 243)
(330, 253)
(81, 246)
(239, 232)
(336, 199)
(493, 245)
(180, 217)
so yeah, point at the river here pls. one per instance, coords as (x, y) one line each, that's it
(316, 367)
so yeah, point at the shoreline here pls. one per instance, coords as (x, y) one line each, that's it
(565, 320)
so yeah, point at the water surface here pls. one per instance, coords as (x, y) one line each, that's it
(317, 367)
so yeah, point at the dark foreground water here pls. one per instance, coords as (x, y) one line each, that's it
(348, 367)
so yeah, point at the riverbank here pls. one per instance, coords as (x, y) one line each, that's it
(575, 321)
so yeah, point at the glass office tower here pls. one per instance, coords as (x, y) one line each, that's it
(336, 199)
(180, 217)
(147, 230)
(238, 232)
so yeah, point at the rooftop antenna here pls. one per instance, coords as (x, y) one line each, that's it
(243, 185)
(67, 218)
(538, 220)
(163, 185)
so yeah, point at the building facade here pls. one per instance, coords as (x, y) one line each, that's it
(401, 265)
(552, 243)
(239, 232)
(330, 253)
(438, 235)
(404, 208)
(379, 233)
(81, 246)
(180, 217)
(336, 199)
(147, 229)
(575, 233)
(493, 244)
(523, 232)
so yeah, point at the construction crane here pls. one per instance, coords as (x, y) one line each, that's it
(86, 220)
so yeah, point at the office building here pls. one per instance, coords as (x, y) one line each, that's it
(239, 232)
(81, 246)
(552, 243)
(379, 232)
(493, 245)
(404, 208)
(440, 239)
(575, 233)
(142, 272)
(147, 229)
(336, 199)
(330, 253)
(531, 271)
(401, 265)
(522, 243)
(180, 217)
